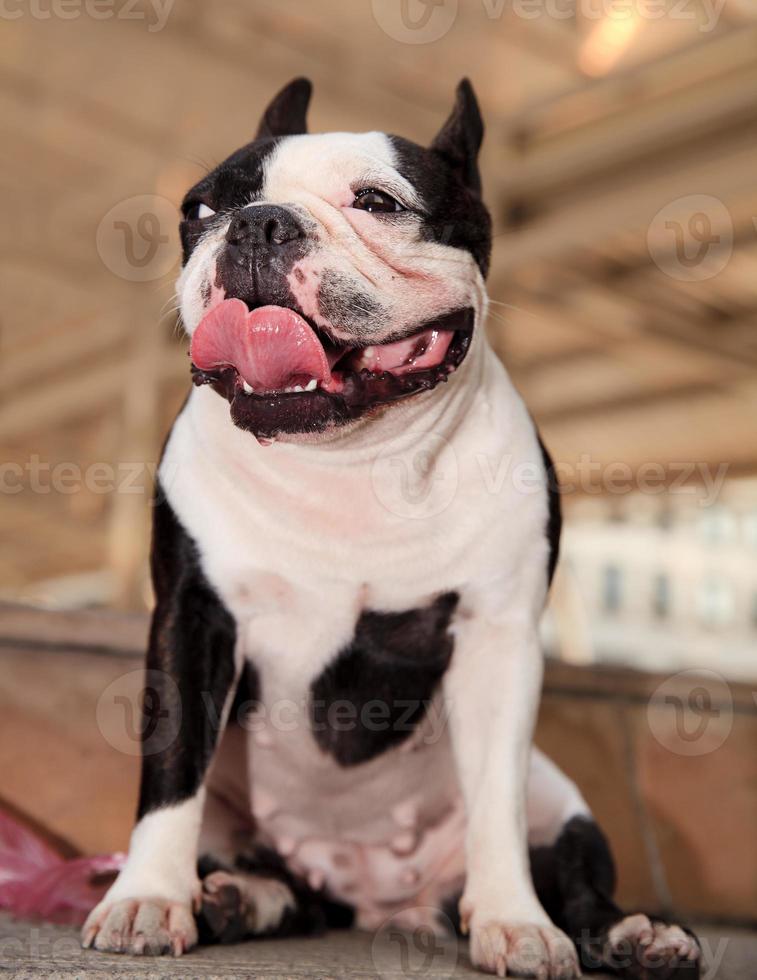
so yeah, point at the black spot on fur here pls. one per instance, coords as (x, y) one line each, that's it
(554, 520)
(191, 662)
(377, 690)
(233, 184)
(454, 215)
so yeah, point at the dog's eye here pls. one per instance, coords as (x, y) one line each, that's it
(376, 202)
(196, 212)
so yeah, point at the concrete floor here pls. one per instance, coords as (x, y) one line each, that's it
(53, 952)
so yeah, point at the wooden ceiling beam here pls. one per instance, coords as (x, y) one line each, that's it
(633, 90)
(627, 204)
(615, 134)
(712, 422)
(645, 299)
(72, 398)
(83, 340)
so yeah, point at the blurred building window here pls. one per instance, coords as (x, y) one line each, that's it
(717, 525)
(661, 596)
(750, 529)
(612, 588)
(715, 601)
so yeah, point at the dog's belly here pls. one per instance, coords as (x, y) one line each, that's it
(382, 836)
(373, 817)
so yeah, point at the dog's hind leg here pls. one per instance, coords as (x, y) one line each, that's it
(259, 896)
(574, 876)
(247, 888)
(237, 905)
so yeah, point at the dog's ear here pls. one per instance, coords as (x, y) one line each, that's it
(460, 138)
(287, 113)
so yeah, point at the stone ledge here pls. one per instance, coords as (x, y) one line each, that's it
(33, 950)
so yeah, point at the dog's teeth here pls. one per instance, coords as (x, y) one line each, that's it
(311, 385)
(298, 388)
(247, 388)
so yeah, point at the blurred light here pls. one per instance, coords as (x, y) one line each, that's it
(608, 41)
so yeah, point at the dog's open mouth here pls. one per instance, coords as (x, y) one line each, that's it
(281, 374)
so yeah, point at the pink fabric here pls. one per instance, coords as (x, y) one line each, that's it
(37, 883)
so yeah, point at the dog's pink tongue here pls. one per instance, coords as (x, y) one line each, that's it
(271, 347)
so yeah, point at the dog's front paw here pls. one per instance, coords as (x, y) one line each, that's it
(514, 949)
(141, 926)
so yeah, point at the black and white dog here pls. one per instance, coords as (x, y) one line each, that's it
(368, 672)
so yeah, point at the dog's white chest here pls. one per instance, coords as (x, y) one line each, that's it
(282, 628)
(296, 554)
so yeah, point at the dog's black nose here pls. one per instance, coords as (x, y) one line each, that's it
(262, 226)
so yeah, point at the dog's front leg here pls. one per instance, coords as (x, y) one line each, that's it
(491, 692)
(191, 670)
